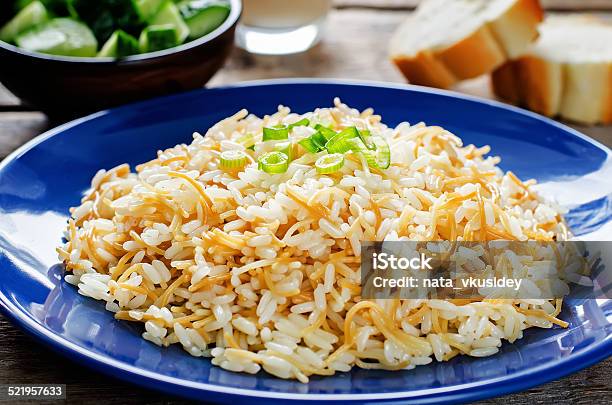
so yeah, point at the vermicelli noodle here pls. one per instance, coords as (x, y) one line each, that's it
(262, 270)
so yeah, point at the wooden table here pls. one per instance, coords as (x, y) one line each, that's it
(354, 47)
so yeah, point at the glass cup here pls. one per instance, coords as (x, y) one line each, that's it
(281, 27)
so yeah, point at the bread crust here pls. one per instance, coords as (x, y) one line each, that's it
(518, 27)
(532, 82)
(546, 87)
(475, 55)
(480, 52)
(504, 83)
(607, 108)
(425, 68)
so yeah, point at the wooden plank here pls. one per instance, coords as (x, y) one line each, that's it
(577, 5)
(602, 134)
(377, 4)
(354, 47)
(566, 5)
(16, 128)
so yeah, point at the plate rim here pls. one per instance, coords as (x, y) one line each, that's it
(462, 392)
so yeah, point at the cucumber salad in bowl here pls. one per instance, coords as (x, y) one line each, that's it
(108, 28)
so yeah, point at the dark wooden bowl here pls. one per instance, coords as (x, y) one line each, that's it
(67, 87)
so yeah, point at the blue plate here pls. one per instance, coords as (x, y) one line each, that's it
(40, 181)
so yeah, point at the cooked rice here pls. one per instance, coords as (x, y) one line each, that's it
(259, 270)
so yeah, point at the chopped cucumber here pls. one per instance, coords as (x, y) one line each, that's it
(120, 45)
(60, 36)
(104, 17)
(35, 13)
(127, 16)
(103, 26)
(125, 27)
(57, 7)
(169, 14)
(21, 4)
(158, 37)
(203, 17)
(149, 8)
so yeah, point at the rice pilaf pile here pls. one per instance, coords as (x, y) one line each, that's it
(215, 248)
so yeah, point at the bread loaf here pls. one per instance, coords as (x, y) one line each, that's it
(567, 72)
(445, 41)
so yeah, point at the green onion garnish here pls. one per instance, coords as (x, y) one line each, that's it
(340, 143)
(233, 159)
(286, 148)
(380, 157)
(309, 145)
(247, 141)
(314, 143)
(382, 152)
(366, 136)
(304, 122)
(275, 134)
(327, 164)
(356, 145)
(328, 133)
(319, 140)
(273, 162)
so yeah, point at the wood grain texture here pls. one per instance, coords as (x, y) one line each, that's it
(354, 48)
(16, 128)
(340, 55)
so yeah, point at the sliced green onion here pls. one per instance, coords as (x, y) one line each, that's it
(356, 145)
(304, 122)
(328, 133)
(273, 162)
(247, 140)
(233, 159)
(382, 152)
(380, 157)
(275, 134)
(366, 137)
(314, 143)
(319, 140)
(340, 143)
(327, 164)
(286, 148)
(267, 146)
(309, 145)
(370, 158)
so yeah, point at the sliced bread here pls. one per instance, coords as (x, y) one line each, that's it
(443, 41)
(567, 72)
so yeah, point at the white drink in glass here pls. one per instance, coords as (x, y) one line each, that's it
(278, 27)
